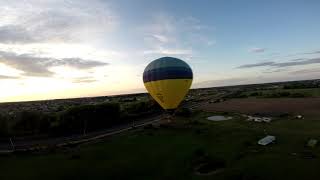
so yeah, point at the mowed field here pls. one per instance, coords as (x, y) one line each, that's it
(294, 106)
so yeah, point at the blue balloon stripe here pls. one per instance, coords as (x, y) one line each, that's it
(167, 73)
(166, 62)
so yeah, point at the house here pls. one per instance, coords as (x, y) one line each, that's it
(266, 140)
(259, 119)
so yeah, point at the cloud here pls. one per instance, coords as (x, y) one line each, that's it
(84, 80)
(192, 23)
(256, 65)
(161, 38)
(210, 43)
(54, 21)
(298, 59)
(297, 63)
(256, 79)
(294, 62)
(14, 34)
(161, 24)
(306, 71)
(163, 51)
(32, 65)
(8, 77)
(79, 63)
(221, 82)
(257, 50)
(276, 70)
(168, 35)
(313, 52)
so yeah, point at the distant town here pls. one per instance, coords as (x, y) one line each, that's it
(197, 95)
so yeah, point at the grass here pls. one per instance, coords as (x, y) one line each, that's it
(170, 152)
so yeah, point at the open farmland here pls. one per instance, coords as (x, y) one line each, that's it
(306, 92)
(293, 106)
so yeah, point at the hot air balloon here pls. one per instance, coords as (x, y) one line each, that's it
(168, 81)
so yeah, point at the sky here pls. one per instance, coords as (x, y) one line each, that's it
(53, 49)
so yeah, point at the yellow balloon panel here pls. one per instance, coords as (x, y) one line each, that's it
(169, 92)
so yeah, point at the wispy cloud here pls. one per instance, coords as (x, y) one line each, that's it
(275, 70)
(297, 63)
(168, 35)
(298, 59)
(31, 65)
(312, 52)
(257, 50)
(290, 63)
(8, 77)
(163, 51)
(161, 38)
(298, 54)
(84, 80)
(221, 82)
(306, 71)
(57, 21)
(256, 65)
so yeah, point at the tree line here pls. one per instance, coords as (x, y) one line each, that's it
(75, 120)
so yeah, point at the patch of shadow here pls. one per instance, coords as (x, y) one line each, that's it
(209, 168)
(74, 157)
(203, 164)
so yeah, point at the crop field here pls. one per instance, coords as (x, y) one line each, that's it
(268, 106)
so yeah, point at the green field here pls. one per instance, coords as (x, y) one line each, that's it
(173, 152)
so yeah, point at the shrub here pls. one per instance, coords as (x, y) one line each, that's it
(284, 94)
(256, 94)
(4, 127)
(30, 122)
(184, 112)
(138, 109)
(89, 117)
(297, 95)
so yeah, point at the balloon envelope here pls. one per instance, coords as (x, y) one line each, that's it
(168, 81)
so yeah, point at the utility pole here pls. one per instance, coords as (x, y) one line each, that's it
(133, 123)
(85, 127)
(12, 145)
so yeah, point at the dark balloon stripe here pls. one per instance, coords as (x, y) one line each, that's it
(167, 73)
(166, 62)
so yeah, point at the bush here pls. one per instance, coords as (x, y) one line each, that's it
(89, 117)
(30, 123)
(284, 94)
(297, 95)
(77, 119)
(4, 127)
(184, 112)
(256, 94)
(278, 95)
(301, 85)
(237, 94)
(138, 109)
